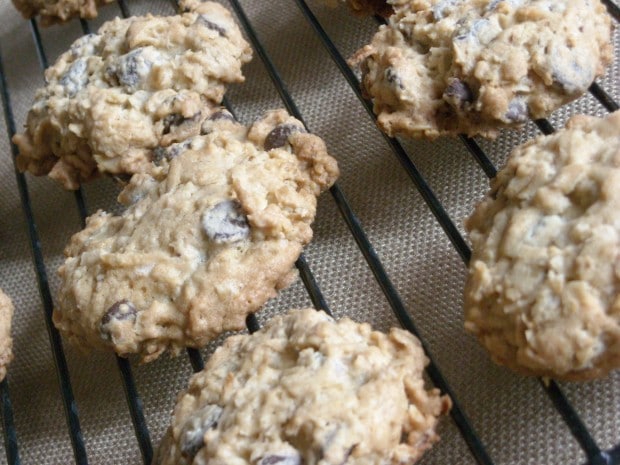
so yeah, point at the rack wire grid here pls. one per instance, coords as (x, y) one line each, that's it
(406, 263)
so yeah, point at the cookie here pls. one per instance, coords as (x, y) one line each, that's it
(446, 67)
(58, 11)
(6, 342)
(199, 247)
(138, 84)
(307, 389)
(543, 292)
(365, 7)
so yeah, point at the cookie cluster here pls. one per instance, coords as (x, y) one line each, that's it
(543, 289)
(137, 85)
(216, 215)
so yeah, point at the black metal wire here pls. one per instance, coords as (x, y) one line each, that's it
(560, 402)
(136, 410)
(122, 4)
(195, 359)
(314, 291)
(577, 427)
(457, 413)
(575, 424)
(613, 9)
(414, 174)
(10, 435)
(477, 448)
(62, 371)
(603, 97)
(595, 456)
(545, 126)
(612, 455)
(483, 161)
(131, 393)
(252, 323)
(85, 26)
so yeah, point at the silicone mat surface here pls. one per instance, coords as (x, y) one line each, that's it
(513, 416)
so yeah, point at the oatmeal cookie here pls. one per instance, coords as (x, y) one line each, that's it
(6, 342)
(200, 246)
(543, 292)
(58, 11)
(307, 389)
(444, 67)
(137, 84)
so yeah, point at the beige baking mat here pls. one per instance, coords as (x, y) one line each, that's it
(512, 415)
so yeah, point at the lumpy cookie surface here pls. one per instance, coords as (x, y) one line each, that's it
(543, 292)
(202, 245)
(475, 66)
(6, 342)
(57, 11)
(137, 84)
(306, 389)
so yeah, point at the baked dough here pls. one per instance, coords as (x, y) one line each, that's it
(6, 342)
(58, 11)
(306, 389)
(543, 292)
(201, 245)
(445, 67)
(139, 83)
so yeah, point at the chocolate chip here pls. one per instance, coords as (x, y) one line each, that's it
(517, 112)
(120, 311)
(76, 77)
(202, 19)
(393, 78)
(123, 310)
(468, 30)
(159, 154)
(134, 67)
(226, 223)
(278, 137)
(221, 115)
(281, 459)
(347, 454)
(194, 429)
(127, 72)
(177, 119)
(458, 93)
(174, 119)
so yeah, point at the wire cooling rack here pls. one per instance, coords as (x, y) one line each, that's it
(478, 449)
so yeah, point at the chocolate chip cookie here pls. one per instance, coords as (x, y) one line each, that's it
(365, 7)
(543, 292)
(6, 342)
(138, 84)
(306, 389)
(475, 66)
(201, 245)
(57, 11)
